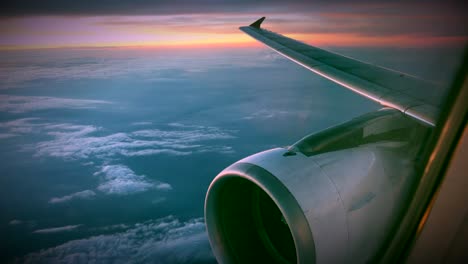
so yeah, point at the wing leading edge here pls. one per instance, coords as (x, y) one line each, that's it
(415, 97)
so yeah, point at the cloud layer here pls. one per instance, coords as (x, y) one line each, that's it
(165, 240)
(207, 22)
(265, 114)
(161, 7)
(22, 104)
(59, 65)
(92, 145)
(168, 7)
(81, 142)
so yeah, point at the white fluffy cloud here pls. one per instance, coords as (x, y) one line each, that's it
(165, 240)
(120, 179)
(21, 104)
(86, 194)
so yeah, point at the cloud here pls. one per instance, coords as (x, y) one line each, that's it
(158, 200)
(120, 179)
(161, 7)
(187, 134)
(143, 66)
(215, 23)
(22, 104)
(163, 186)
(149, 152)
(21, 126)
(165, 240)
(18, 73)
(269, 114)
(83, 143)
(222, 8)
(143, 123)
(27, 223)
(15, 222)
(114, 228)
(87, 194)
(266, 114)
(360, 17)
(7, 135)
(56, 229)
(79, 142)
(78, 65)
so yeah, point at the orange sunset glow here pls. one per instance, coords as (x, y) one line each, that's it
(221, 30)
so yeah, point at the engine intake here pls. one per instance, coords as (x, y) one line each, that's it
(250, 218)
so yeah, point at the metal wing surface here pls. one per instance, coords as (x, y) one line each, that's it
(415, 97)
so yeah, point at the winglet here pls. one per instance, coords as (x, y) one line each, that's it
(257, 23)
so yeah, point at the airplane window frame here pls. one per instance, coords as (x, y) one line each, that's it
(438, 154)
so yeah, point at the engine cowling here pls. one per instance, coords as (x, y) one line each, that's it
(326, 199)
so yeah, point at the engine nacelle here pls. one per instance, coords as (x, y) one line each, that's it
(332, 197)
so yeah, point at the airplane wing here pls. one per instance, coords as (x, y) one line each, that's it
(415, 97)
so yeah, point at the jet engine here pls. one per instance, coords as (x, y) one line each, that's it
(332, 197)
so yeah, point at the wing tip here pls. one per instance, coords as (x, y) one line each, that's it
(257, 23)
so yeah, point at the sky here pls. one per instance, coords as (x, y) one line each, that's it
(28, 24)
(104, 140)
